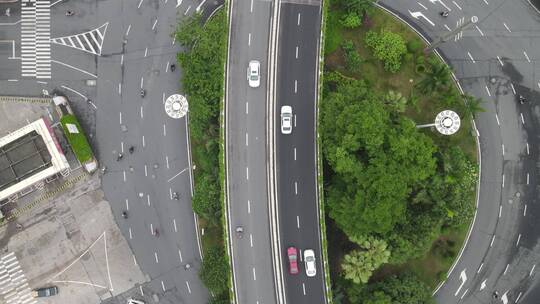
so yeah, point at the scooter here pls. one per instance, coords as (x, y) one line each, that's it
(143, 93)
(175, 196)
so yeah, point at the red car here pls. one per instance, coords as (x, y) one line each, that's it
(292, 253)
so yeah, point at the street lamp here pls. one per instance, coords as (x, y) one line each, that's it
(446, 122)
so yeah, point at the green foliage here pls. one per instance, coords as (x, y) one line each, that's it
(78, 142)
(351, 20)
(352, 58)
(395, 101)
(378, 297)
(359, 264)
(332, 34)
(206, 199)
(359, 7)
(436, 79)
(473, 105)
(214, 272)
(414, 46)
(388, 47)
(377, 161)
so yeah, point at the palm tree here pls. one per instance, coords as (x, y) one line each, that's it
(436, 78)
(472, 105)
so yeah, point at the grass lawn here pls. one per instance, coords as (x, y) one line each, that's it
(433, 267)
(77, 141)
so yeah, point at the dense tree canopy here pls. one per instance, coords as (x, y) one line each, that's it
(376, 160)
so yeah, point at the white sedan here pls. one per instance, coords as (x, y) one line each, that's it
(254, 74)
(309, 260)
(286, 119)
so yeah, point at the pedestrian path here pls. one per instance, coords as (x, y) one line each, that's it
(36, 38)
(14, 287)
(90, 42)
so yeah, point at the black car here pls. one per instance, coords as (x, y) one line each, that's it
(45, 292)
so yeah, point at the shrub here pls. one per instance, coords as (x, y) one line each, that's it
(77, 141)
(352, 58)
(414, 46)
(215, 270)
(351, 20)
(388, 47)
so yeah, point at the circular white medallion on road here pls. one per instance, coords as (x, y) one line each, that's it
(447, 122)
(176, 106)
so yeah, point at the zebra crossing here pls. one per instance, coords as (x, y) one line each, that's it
(36, 38)
(90, 42)
(13, 284)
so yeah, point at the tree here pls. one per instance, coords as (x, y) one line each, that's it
(360, 7)
(359, 264)
(472, 105)
(388, 47)
(214, 272)
(405, 288)
(351, 20)
(378, 297)
(395, 101)
(437, 78)
(189, 30)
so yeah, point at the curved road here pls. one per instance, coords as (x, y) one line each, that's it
(495, 59)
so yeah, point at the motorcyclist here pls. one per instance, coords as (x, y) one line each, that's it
(444, 13)
(70, 13)
(131, 149)
(156, 232)
(173, 67)
(124, 214)
(119, 157)
(522, 99)
(143, 92)
(175, 196)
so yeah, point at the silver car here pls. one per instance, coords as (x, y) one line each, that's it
(286, 119)
(254, 74)
(309, 260)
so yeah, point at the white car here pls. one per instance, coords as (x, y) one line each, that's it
(254, 74)
(286, 119)
(309, 260)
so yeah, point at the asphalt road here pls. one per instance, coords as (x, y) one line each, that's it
(139, 55)
(246, 154)
(126, 45)
(297, 79)
(496, 61)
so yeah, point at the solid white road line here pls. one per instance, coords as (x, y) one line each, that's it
(532, 269)
(480, 268)
(492, 240)
(497, 117)
(174, 224)
(180, 255)
(251, 7)
(507, 28)
(153, 28)
(294, 153)
(155, 255)
(247, 139)
(298, 22)
(145, 170)
(424, 7)
(249, 206)
(122, 147)
(127, 204)
(503, 149)
(479, 30)
(148, 199)
(298, 221)
(130, 234)
(187, 11)
(142, 82)
(146, 51)
(506, 269)
(162, 286)
(188, 289)
(124, 176)
(120, 114)
(140, 3)
(488, 92)
(459, 7)
(247, 107)
(304, 288)
(296, 188)
(164, 130)
(518, 239)
(295, 86)
(297, 52)
(525, 210)
(167, 161)
(249, 39)
(247, 173)
(522, 120)
(527, 144)
(251, 240)
(140, 288)
(500, 211)
(120, 89)
(513, 89)
(128, 29)
(254, 275)
(503, 181)
(143, 142)
(527, 178)
(151, 229)
(122, 59)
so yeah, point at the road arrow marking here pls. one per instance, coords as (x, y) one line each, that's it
(463, 278)
(417, 15)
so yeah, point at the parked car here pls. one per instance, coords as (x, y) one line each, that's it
(292, 254)
(45, 292)
(309, 260)
(286, 119)
(254, 74)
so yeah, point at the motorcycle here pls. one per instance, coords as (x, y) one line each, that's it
(124, 214)
(175, 196)
(239, 232)
(143, 93)
(156, 232)
(131, 149)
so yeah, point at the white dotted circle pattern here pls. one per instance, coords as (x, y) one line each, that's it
(447, 122)
(176, 106)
